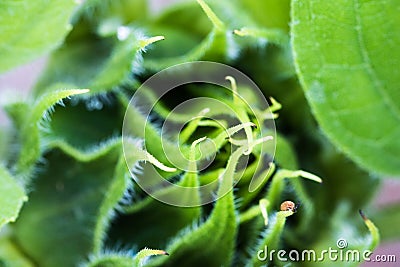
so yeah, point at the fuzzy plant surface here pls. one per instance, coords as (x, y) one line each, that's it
(77, 165)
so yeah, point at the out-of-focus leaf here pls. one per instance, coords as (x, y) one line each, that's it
(29, 29)
(346, 233)
(216, 44)
(105, 16)
(385, 218)
(5, 139)
(17, 112)
(268, 13)
(10, 254)
(343, 180)
(285, 155)
(348, 78)
(12, 197)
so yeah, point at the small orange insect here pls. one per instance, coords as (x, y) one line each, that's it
(289, 206)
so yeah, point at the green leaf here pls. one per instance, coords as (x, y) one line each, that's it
(17, 112)
(12, 197)
(29, 29)
(10, 254)
(5, 141)
(71, 206)
(91, 61)
(145, 253)
(344, 52)
(270, 237)
(275, 36)
(343, 181)
(121, 260)
(105, 16)
(216, 44)
(284, 155)
(112, 260)
(211, 243)
(385, 218)
(373, 230)
(29, 119)
(133, 226)
(345, 227)
(85, 154)
(268, 13)
(109, 203)
(92, 132)
(250, 228)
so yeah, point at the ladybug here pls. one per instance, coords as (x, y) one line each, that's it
(289, 206)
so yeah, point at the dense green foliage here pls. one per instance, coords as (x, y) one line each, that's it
(63, 159)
